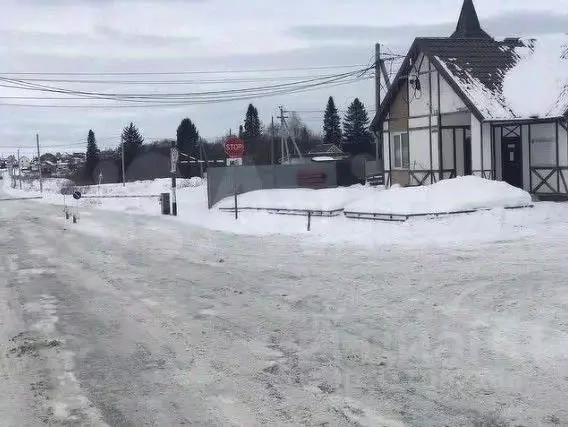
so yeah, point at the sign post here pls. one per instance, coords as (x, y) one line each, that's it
(76, 196)
(66, 191)
(174, 158)
(235, 150)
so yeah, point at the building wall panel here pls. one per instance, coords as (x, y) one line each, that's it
(419, 144)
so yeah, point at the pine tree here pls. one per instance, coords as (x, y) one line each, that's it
(132, 141)
(92, 158)
(357, 138)
(257, 147)
(331, 124)
(252, 128)
(187, 137)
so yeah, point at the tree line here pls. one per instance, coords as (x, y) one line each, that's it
(262, 142)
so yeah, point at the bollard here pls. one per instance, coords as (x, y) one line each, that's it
(309, 220)
(74, 219)
(165, 202)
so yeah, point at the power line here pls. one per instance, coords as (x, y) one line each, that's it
(153, 103)
(176, 82)
(172, 73)
(25, 85)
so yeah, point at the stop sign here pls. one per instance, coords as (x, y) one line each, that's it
(234, 147)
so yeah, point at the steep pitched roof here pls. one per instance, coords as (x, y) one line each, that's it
(480, 71)
(475, 69)
(454, 58)
(468, 23)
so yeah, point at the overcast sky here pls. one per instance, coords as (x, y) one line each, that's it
(99, 36)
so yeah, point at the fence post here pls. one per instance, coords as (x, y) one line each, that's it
(236, 205)
(309, 220)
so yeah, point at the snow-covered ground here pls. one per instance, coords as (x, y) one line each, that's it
(130, 319)
(329, 199)
(485, 226)
(140, 320)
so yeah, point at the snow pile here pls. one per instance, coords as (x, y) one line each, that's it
(538, 84)
(329, 199)
(149, 187)
(50, 185)
(452, 195)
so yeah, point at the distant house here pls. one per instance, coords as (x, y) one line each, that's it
(78, 159)
(48, 167)
(469, 104)
(25, 163)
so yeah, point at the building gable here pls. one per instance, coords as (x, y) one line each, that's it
(402, 97)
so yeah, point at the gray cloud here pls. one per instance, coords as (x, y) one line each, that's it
(150, 40)
(48, 3)
(95, 36)
(511, 24)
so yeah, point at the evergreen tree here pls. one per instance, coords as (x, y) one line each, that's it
(357, 138)
(132, 141)
(92, 158)
(187, 137)
(331, 124)
(252, 128)
(257, 146)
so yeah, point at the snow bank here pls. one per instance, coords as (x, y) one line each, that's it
(537, 85)
(328, 199)
(150, 187)
(452, 195)
(50, 185)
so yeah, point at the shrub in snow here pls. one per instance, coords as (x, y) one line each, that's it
(191, 182)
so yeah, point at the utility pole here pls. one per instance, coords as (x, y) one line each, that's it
(290, 135)
(122, 155)
(200, 158)
(272, 141)
(379, 133)
(283, 142)
(39, 165)
(174, 154)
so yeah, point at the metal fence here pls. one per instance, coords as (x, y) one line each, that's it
(223, 182)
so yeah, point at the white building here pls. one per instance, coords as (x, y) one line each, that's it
(470, 104)
(25, 163)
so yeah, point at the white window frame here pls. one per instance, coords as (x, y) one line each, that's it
(401, 164)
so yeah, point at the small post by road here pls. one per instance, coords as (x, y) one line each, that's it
(19, 170)
(309, 220)
(39, 165)
(174, 156)
(236, 204)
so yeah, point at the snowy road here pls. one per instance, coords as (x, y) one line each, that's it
(132, 320)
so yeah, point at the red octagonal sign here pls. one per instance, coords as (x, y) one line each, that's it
(234, 147)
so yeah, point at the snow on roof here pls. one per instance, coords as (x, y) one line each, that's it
(532, 83)
(538, 84)
(323, 159)
(489, 104)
